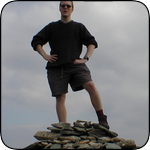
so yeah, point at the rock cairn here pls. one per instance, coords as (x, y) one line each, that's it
(82, 135)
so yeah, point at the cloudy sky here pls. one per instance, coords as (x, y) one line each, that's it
(119, 68)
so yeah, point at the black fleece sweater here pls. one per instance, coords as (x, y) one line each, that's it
(65, 40)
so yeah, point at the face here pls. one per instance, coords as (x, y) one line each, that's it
(66, 8)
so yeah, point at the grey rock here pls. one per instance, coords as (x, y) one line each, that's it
(68, 146)
(89, 129)
(62, 125)
(48, 146)
(54, 129)
(95, 146)
(77, 124)
(56, 142)
(93, 142)
(71, 138)
(81, 121)
(67, 132)
(84, 141)
(91, 138)
(76, 144)
(80, 129)
(55, 146)
(46, 141)
(108, 132)
(97, 133)
(88, 124)
(83, 137)
(124, 144)
(83, 146)
(46, 135)
(65, 142)
(116, 139)
(112, 134)
(112, 146)
(104, 139)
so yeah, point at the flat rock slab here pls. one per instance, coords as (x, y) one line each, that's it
(108, 132)
(54, 129)
(68, 132)
(83, 146)
(62, 125)
(56, 146)
(71, 138)
(112, 146)
(95, 146)
(97, 133)
(124, 144)
(80, 129)
(46, 135)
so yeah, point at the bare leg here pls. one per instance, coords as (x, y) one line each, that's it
(60, 108)
(94, 95)
(96, 101)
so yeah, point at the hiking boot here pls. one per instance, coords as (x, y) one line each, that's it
(103, 121)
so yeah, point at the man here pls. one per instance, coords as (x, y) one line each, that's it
(65, 66)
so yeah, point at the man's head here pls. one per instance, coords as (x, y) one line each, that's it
(66, 8)
(72, 4)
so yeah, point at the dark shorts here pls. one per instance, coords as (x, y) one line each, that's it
(75, 75)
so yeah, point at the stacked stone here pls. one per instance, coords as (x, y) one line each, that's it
(82, 135)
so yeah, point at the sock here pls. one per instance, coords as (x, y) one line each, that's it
(100, 112)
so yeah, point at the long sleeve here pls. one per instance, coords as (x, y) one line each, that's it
(41, 38)
(87, 38)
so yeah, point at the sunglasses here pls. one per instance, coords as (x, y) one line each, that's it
(64, 5)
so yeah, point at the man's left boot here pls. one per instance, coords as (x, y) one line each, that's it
(103, 121)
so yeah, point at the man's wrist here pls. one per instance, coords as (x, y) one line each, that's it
(87, 58)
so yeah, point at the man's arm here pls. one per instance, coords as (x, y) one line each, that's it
(90, 50)
(50, 58)
(89, 53)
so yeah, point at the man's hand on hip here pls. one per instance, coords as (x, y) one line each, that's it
(51, 58)
(80, 61)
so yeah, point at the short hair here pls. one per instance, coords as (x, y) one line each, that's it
(71, 3)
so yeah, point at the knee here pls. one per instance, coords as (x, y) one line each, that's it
(61, 98)
(90, 86)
